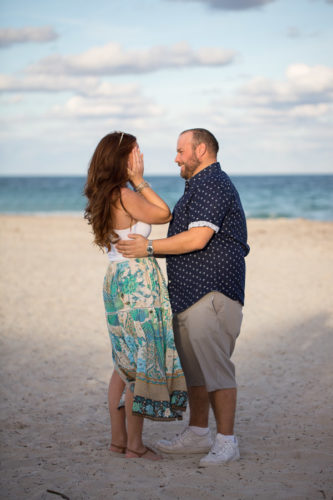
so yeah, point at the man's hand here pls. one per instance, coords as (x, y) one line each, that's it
(137, 247)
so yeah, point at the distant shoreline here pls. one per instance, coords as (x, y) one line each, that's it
(176, 175)
(79, 215)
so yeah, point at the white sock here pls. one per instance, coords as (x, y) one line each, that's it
(228, 437)
(199, 431)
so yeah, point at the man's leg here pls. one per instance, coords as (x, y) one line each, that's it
(196, 438)
(214, 347)
(224, 406)
(225, 448)
(199, 406)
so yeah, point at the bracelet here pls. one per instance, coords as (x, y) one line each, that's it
(141, 186)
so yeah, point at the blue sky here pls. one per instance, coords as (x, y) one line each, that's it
(256, 73)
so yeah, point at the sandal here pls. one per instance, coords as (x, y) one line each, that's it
(121, 448)
(140, 455)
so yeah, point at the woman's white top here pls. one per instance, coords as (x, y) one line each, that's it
(138, 228)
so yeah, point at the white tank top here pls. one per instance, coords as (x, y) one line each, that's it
(138, 228)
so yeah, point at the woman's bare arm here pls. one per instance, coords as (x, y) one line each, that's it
(146, 206)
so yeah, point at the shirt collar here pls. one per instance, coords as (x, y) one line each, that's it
(200, 176)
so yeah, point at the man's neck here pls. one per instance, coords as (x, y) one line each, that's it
(203, 165)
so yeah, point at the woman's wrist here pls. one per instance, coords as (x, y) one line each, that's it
(136, 181)
(139, 187)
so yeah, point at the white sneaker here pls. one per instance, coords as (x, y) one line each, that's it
(223, 451)
(186, 442)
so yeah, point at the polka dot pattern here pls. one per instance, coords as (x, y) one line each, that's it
(210, 199)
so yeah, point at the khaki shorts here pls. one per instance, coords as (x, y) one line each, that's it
(205, 336)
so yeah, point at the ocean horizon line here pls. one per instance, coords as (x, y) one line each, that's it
(240, 174)
(80, 215)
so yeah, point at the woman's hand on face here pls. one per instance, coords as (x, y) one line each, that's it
(135, 166)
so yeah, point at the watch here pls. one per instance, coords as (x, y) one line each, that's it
(150, 248)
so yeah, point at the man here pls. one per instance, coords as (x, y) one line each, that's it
(205, 249)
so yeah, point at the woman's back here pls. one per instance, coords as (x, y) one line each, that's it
(138, 228)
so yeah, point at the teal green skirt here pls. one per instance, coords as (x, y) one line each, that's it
(139, 321)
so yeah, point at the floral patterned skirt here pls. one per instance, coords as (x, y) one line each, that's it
(139, 320)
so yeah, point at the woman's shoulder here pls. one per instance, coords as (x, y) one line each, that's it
(127, 193)
(130, 201)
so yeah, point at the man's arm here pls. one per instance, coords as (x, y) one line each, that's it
(195, 238)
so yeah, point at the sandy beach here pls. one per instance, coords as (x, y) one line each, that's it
(56, 363)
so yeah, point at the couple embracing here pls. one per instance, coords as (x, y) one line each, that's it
(174, 343)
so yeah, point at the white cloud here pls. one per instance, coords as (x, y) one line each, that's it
(112, 59)
(294, 32)
(299, 105)
(310, 111)
(40, 83)
(61, 83)
(304, 86)
(10, 36)
(92, 97)
(232, 4)
(129, 107)
(16, 98)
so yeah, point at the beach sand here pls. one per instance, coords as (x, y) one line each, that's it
(56, 363)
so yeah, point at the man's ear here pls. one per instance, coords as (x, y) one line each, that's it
(201, 150)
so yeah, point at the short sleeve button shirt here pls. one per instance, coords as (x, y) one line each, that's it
(210, 199)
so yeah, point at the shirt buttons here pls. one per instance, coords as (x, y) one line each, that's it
(209, 196)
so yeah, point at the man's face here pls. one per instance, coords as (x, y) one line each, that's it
(186, 157)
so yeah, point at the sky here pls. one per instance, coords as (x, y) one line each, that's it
(257, 73)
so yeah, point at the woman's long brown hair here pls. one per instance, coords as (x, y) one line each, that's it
(107, 173)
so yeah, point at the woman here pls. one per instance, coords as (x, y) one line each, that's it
(136, 300)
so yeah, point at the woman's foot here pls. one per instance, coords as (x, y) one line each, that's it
(146, 453)
(115, 448)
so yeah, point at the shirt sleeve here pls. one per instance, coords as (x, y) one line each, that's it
(209, 206)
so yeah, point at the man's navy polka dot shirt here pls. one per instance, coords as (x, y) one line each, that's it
(210, 199)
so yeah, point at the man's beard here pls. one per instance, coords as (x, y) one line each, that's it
(188, 168)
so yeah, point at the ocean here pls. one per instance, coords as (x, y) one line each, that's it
(263, 196)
